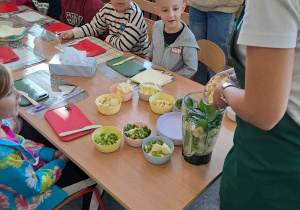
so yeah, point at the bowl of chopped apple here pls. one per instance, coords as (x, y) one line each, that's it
(158, 149)
(108, 104)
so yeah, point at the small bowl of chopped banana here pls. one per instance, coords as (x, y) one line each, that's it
(209, 89)
(108, 104)
(161, 103)
(147, 89)
(124, 90)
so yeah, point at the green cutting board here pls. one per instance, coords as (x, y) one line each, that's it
(34, 91)
(128, 68)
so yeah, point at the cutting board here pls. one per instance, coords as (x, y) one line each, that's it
(128, 68)
(34, 91)
(91, 48)
(58, 27)
(61, 120)
(7, 55)
(8, 7)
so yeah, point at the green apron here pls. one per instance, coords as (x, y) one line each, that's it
(262, 169)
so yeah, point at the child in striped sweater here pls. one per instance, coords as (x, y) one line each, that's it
(126, 25)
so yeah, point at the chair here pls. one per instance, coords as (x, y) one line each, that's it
(81, 193)
(211, 55)
(147, 6)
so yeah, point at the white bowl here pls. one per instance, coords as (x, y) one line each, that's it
(230, 113)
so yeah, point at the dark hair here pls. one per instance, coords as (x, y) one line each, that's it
(5, 80)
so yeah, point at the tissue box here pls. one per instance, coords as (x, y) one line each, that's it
(78, 70)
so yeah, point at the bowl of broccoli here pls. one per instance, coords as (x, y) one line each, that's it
(135, 133)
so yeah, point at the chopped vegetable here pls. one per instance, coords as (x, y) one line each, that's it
(68, 107)
(106, 139)
(149, 89)
(136, 132)
(157, 148)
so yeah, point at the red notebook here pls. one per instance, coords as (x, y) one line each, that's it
(58, 27)
(61, 120)
(8, 7)
(91, 48)
(7, 55)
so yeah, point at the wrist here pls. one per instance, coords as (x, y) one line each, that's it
(224, 86)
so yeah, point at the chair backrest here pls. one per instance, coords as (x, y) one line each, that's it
(147, 6)
(211, 55)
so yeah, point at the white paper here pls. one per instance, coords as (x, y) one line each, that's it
(73, 56)
(31, 16)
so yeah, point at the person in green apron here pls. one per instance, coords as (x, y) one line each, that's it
(262, 170)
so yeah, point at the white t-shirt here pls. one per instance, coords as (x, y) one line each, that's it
(273, 24)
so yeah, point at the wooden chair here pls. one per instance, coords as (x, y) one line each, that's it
(211, 55)
(147, 7)
(81, 193)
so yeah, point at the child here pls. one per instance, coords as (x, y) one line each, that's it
(173, 44)
(126, 25)
(76, 13)
(51, 8)
(26, 180)
(21, 2)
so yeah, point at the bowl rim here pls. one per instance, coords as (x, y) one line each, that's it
(114, 95)
(149, 127)
(162, 94)
(116, 84)
(107, 145)
(149, 83)
(164, 142)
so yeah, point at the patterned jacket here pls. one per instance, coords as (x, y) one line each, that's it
(26, 181)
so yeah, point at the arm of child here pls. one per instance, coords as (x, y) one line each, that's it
(149, 54)
(127, 39)
(190, 60)
(45, 153)
(94, 28)
(26, 180)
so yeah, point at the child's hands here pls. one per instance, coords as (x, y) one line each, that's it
(57, 154)
(147, 59)
(64, 158)
(66, 36)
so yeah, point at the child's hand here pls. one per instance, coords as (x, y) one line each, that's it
(64, 158)
(57, 154)
(147, 59)
(66, 36)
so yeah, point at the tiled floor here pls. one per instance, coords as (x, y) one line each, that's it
(207, 201)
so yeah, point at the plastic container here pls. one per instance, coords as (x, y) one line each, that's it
(124, 97)
(111, 110)
(161, 96)
(158, 160)
(107, 130)
(200, 129)
(145, 97)
(136, 142)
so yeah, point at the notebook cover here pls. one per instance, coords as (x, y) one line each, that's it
(91, 48)
(58, 27)
(34, 91)
(128, 68)
(62, 120)
(8, 7)
(7, 55)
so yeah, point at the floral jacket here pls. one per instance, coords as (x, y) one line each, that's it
(26, 181)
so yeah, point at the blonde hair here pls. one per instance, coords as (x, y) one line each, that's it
(5, 80)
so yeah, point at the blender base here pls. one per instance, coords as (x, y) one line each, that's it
(198, 160)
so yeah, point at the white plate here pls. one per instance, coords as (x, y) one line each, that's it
(170, 126)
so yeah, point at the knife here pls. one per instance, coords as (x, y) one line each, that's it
(79, 130)
(121, 62)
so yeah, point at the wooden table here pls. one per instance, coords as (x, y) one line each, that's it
(125, 174)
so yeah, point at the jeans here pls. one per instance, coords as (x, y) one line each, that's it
(215, 27)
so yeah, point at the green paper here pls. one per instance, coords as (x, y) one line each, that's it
(128, 68)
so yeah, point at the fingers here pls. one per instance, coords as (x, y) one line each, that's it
(66, 36)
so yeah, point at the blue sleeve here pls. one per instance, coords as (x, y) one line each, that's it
(45, 153)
